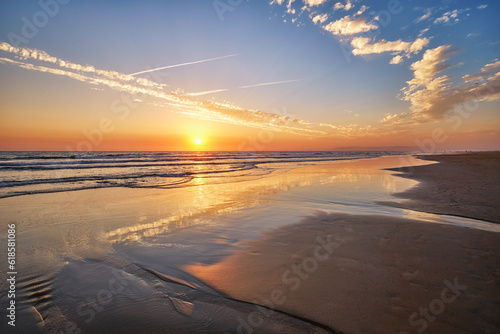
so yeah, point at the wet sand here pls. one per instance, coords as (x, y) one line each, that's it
(211, 258)
(380, 274)
(466, 185)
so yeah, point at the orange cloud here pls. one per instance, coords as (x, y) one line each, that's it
(432, 95)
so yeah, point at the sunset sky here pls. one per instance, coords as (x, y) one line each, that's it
(249, 75)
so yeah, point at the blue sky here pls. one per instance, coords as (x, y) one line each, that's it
(308, 45)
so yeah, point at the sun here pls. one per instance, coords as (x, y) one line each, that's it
(198, 141)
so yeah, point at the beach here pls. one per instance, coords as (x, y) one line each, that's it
(463, 185)
(368, 245)
(249, 167)
(381, 274)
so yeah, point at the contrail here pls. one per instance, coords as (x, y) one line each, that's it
(207, 92)
(184, 64)
(271, 83)
(256, 85)
(224, 112)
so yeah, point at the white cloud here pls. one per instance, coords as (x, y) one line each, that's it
(396, 60)
(339, 6)
(450, 17)
(349, 26)
(361, 10)
(482, 6)
(320, 18)
(422, 32)
(289, 8)
(363, 46)
(472, 35)
(25, 53)
(312, 3)
(425, 16)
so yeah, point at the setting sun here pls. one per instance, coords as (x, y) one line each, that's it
(198, 141)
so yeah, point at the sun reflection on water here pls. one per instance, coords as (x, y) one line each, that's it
(202, 203)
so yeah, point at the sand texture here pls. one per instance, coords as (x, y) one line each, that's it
(466, 185)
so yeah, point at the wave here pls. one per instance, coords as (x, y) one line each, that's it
(34, 172)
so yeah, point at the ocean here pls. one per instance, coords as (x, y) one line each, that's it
(23, 173)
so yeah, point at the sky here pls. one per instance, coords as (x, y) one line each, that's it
(250, 75)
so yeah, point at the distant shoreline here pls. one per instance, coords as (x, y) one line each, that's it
(464, 185)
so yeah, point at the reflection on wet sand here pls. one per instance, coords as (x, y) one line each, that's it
(202, 203)
(152, 234)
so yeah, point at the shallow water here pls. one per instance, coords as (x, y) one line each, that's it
(73, 244)
(45, 172)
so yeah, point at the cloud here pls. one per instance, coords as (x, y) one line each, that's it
(396, 119)
(25, 53)
(361, 10)
(396, 60)
(312, 3)
(473, 35)
(487, 71)
(482, 6)
(183, 64)
(349, 26)
(289, 8)
(450, 17)
(320, 18)
(432, 96)
(359, 33)
(425, 91)
(37, 60)
(425, 16)
(422, 32)
(339, 6)
(364, 46)
(355, 130)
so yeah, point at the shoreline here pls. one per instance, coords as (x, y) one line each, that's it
(177, 249)
(463, 185)
(380, 273)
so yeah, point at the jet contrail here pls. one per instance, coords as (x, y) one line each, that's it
(224, 112)
(256, 85)
(271, 83)
(207, 92)
(184, 64)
